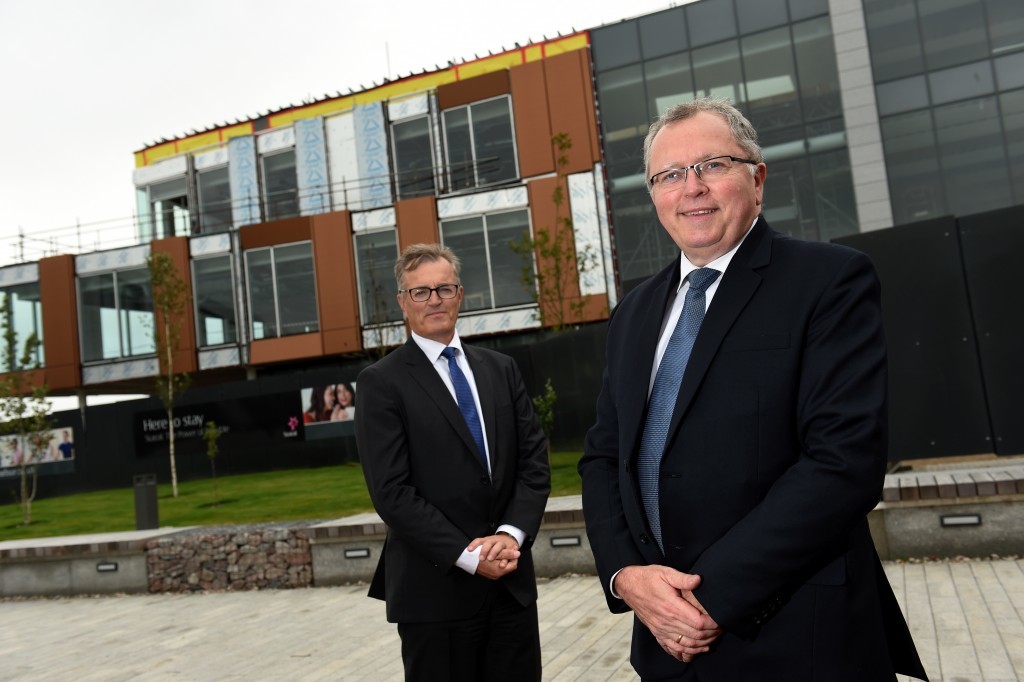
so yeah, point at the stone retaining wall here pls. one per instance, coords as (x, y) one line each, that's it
(250, 558)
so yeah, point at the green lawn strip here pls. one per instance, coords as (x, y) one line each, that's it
(287, 495)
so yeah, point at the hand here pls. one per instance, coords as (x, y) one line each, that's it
(499, 555)
(662, 598)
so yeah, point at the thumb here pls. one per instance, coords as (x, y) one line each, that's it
(685, 581)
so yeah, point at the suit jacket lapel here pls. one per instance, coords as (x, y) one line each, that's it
(424, 374)
(736, 288)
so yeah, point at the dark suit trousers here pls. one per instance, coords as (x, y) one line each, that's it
(500, 642)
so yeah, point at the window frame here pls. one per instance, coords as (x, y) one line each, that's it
(448, 165)
(272, 248)
(234, 301)
(122, 334)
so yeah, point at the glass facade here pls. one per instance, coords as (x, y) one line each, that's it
(214, 200)
(948, 80)
(776, 61)
(479, 144)
(414, 158)
(168, 208)
(280, 185)
(25, 319)
(375, 267)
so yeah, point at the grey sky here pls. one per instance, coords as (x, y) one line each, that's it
(84, 84)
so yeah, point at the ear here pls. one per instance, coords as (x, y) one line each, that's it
(760, 173)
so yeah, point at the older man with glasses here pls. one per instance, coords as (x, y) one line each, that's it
(456, 464)
(740, 439)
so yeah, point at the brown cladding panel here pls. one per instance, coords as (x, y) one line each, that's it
(277, 232)
(532, 120)
(417, 222)
(572, 107)
(336, 282)
(185, 356)
(298, 347)
(544, 215)
(472, 90)
(60, 322)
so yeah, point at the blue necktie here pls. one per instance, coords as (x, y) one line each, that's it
(665, 392)
(464, 397)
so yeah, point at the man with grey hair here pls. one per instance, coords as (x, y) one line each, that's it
(740, 439)
(456, 465)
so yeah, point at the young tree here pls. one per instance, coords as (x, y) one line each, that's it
(23, 406)
(544, 405)
(170, 303)
(211, 434)
(558, 263)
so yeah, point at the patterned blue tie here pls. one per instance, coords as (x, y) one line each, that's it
(464, 397)
(665, 392)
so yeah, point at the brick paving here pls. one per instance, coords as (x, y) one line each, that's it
(967, 618)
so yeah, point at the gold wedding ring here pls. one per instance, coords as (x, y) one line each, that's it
(679, 639)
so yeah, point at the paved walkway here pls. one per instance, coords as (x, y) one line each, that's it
(967, 618)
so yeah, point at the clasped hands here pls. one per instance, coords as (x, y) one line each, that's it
(662, 598)
(499, 555)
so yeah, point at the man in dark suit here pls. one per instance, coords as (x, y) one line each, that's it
(456, 464)
(736, 454)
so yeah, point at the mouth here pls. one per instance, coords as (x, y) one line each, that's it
(699, 212)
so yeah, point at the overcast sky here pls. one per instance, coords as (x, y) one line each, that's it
(86, 83)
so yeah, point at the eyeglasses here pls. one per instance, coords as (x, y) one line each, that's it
(421, 294)
(707, 170)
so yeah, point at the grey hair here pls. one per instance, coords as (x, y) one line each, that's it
(742, 130)
(418, 254)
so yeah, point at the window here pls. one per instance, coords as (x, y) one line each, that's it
(375, 267)
(214, 200)
(280, 185)
(25, 319)
(492, 273)
(116, 310)
(214, 294)
(479, 144)
(168, 203)
(414, 160)
(282, 290)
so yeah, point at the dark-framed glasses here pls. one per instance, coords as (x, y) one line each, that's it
(707, 170)
(421, 294)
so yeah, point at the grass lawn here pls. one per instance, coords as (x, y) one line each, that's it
(291, 495)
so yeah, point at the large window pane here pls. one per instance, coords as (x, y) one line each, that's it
(98, 318)
(25, 320)
(280, 185)
(262, 306)
(662, 33)
(479, 144)
(1012, 105)
(414, 159)
(135, 309)
(972, 156)
(709, 22)
(915, 185)
(669, 82)
(214, 200)
(169, 208)
(894, 39)
(757, 15)
(962, 82)
(507, 266)
(615, 45)
(716, 72)
(492, 138)
(621, 97)
(467, 239)
(953, 32)
(1005, 25)
(771, 98)
(375, 263)
(215, 301)
(296, 288)
(817, 71)
(282, 290)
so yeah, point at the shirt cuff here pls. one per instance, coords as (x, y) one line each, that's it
(611, 584)
(468, 561)
(519, 535)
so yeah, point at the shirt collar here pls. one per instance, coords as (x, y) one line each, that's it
(432, 349)
(720, 263)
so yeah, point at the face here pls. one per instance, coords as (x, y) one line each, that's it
(434, 318)
(344, 396)
(704, 220)
(329, 396)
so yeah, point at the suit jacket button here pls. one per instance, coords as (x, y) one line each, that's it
(484, 480)
(644, 539)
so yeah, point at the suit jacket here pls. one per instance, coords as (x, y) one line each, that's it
(431, 489)
(775, 455)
